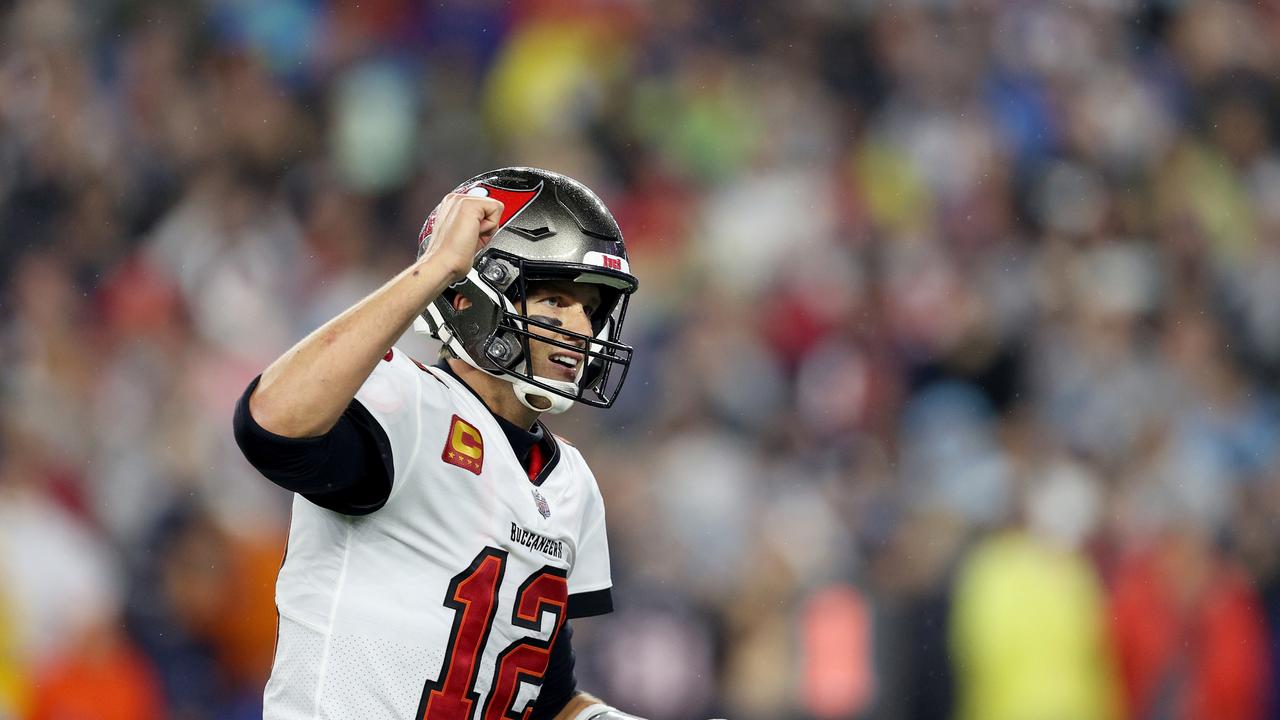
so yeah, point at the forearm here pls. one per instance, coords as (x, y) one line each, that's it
(581, 702)
(306, 389)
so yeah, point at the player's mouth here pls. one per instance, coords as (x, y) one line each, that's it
(567, 363)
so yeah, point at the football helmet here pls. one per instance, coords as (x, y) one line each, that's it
(552, 227)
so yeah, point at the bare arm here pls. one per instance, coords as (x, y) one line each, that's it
(305, 391)
(582, 701)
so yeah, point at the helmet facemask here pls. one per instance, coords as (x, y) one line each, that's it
(499, 334)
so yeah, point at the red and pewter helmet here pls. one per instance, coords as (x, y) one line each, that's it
(552, 227)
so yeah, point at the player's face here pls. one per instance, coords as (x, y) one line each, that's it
(566, 305)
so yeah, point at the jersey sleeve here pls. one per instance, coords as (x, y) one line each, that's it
(351, 468)
(347, 469)
(390, 395)
(589, 579)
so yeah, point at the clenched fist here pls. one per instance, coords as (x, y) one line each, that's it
(460, 226)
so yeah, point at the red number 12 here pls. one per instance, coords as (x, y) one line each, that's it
(473, 596)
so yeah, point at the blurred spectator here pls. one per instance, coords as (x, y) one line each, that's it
(202, 612)
(14, 685)
(105, 678)
(1190, 632)
(1029, 631)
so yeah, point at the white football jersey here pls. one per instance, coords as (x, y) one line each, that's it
(442, 604)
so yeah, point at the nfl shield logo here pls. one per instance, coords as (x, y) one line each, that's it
(543, 508)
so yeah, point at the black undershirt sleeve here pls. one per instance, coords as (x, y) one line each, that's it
(559, 684)
(587, 604)
(347, 470)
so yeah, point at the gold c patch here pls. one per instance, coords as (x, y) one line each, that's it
(465, 446)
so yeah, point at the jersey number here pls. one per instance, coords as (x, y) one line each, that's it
(473, 596)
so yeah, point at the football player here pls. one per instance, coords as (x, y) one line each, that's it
(441, 537)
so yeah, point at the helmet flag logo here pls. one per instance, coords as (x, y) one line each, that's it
(513, 202)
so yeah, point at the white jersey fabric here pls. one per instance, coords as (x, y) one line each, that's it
(411, 611)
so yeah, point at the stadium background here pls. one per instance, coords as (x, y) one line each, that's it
(958, 336)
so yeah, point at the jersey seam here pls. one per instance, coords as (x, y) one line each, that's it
(333, 613)
(400, 480)
(594, 526)
(292, 617)
(591, 588)
(461, 390)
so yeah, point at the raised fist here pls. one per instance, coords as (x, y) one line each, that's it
(459, 227)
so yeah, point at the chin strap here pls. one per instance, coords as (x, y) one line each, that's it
(553, 404)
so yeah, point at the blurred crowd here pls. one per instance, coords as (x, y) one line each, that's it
(957, 339)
